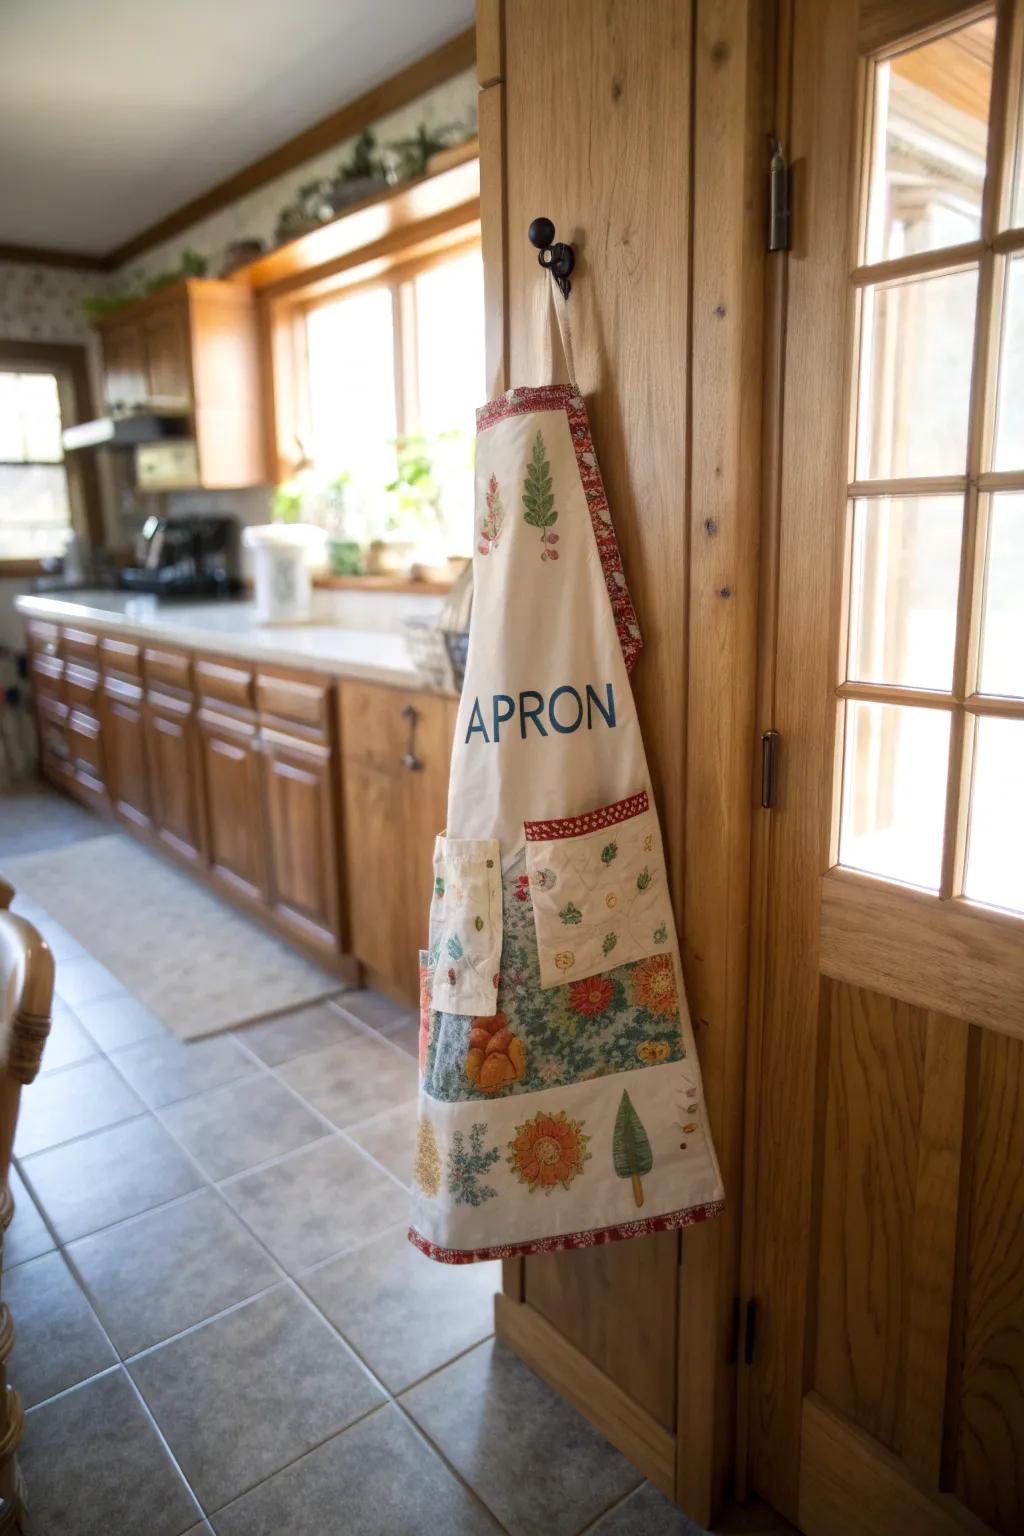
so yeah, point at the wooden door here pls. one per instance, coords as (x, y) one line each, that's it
(396, 748)
(886, 1389)
(124, 365)
(168, 363)
(176, 775)
(301, 837)
(124, 739)
(232, 782)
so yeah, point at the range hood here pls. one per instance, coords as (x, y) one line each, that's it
(128, 431)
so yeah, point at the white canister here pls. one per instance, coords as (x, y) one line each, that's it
(284, 555)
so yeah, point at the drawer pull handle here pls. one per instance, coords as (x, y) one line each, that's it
(409, 759)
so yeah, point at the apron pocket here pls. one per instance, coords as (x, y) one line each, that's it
(600, 896)
(465, 925)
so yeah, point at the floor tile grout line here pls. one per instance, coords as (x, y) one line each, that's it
(611, 1508)
(62, 1244)
(168, 1449)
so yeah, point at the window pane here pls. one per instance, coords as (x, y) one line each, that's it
(1009, 453)
(995, 839)
(917, 339)
(930, 140)
(894, 791)
(351, 355)
(34, 513)
(40, 416)
(1002, 632)
(12, 445)
(905, 573)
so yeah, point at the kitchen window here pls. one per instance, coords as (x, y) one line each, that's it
(35, 505)
(387, 378)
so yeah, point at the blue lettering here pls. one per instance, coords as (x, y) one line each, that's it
(499, 719)
(593, 700)
(531, 714)
(476, 722)
(565, 729)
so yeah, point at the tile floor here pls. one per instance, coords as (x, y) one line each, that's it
(220, 1325)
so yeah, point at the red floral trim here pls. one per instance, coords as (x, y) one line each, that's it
(591, 821)
(669, 1223)
(566, 397)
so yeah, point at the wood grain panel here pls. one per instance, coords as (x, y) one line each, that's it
(936, 954)
(617, 1305)
(876, 1050)
(990, 1391)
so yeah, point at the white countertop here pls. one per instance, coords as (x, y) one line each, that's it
(360, 637)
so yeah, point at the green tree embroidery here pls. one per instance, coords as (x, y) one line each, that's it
(661, 934)
(643, 879)
(608, 852)
(454, 948)
(539, 500)
(609, 942)
(571, 913)
(631, 1150)
(465, 1166)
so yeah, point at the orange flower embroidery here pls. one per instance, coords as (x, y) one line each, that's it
(592, 996)
(652, 1051)
(495, 1055)
(654, 985)
(548, 1150)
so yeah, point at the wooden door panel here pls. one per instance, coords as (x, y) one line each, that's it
(124, 736)
(591, 1297)
(374, 866)
(301, 838)
(168, 365)
(234, 805)
(174, 764)
(124, 365)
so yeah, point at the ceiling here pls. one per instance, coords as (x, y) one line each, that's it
(114, 113)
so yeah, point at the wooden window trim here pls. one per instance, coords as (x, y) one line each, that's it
(70, 363)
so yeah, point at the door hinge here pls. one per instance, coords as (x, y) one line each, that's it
(750, 1332)
(778, 199)
(769, 768)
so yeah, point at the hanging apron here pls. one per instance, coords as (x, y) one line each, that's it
(560, 1094)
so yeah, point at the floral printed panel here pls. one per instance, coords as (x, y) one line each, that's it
(600, 897)
(465, 924)
(621, 1019)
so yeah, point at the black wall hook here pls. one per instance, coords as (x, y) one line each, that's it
(559, 259)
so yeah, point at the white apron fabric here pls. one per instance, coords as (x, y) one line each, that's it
(561, 1100)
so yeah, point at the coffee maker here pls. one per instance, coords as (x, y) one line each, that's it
(186, 554)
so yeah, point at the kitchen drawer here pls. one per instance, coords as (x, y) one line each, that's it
(121, 656)
(299, 701)
(121, 688)
(168, 669)
(380, 726)
(48, 676)
(44, 638)
(224, 683)
(81, 645)
(81, 685)
(83, 739)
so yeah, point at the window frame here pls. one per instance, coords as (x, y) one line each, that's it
(69, 365)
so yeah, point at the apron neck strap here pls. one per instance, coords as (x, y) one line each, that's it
(561, 309)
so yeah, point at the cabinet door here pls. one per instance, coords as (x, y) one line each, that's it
(124, 734)
(396, 747)
(168, 364)
(234, 809)
(175, 772)
(302, 866)
(124, 365)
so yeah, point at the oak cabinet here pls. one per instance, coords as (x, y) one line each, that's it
(231, 776)
(124, 730)
(125, 382)
(174, 772)
(168, 364)
(396, 749)
(302, 863)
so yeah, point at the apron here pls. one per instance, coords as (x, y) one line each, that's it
(560, 1094)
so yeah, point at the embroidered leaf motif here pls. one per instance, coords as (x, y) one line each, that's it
(494, 518)
(571, 913)
(631, 1150)
(609, 942)
(438, 887)
(608, 852)
(478, 924)
(643, 879)
(661, 934)
(539, 500)
(466, 1164)
(427, 1159)
(454, 948)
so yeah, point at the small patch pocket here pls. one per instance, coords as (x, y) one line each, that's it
(600, 897)
(465, 925)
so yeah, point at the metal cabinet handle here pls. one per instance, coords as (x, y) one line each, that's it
(409, 758)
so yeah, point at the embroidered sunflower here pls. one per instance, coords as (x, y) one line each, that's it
(548, 1150)
(652, 1051)
(591, 996)
(654, 985)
